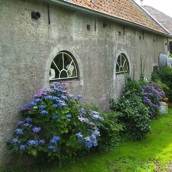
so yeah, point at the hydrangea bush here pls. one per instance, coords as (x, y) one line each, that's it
(55, 124)
(152, 96)
(139, 102)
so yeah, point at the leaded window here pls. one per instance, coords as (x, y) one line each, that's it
(63, 67)
(122, 65)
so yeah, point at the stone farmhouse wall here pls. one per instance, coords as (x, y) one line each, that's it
(28, 46)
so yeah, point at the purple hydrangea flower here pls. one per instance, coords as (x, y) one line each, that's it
(41, 92)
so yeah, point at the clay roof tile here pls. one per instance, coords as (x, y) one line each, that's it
(123, 9)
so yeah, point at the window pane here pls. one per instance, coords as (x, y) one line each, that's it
(63, 67)
(122, 65)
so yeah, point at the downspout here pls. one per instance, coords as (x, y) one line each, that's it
(69, 5)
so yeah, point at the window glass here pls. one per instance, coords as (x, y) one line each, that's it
(63, 66)
(122, 65)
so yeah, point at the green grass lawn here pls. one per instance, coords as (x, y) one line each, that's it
(150, 155)
(153, 154)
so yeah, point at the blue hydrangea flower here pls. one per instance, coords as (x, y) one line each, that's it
(43, 112)
(50, 97)
(15, 141)
(36, 129)
(79, 135)
(68, 116)
(95, 113)
(88, 144)
(63, 97)
(56, 116)
(57, 99)
(55, 83)
(53, 141)
(22, 147)
(56, 138)
(20, 123)
(76, 96)
(51, 147)
(27, 125)
(37, 100)
(61, 103)
(42, 107)
(96, 133)
(27, 106)
(42, 141)
(87, 139)
(54, 105)
(19, 131)
(28, 119)
(95, 143)
(82, 111)
(32, 142)
(87, 121)
(93, 137)
(97, 117)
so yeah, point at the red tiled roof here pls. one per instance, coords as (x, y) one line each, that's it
(123, 9)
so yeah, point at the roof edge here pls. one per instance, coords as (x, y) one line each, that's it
(69, 5)
(155, 19)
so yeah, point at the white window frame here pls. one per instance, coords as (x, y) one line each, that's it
(122, 64)
(71, 69)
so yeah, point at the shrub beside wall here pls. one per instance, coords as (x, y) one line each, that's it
(164, 76)
(55, 125)
(139, 102)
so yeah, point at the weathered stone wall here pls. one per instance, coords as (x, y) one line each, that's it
(28, 46)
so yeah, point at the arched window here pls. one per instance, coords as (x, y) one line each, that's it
(122, 65)
(63, 67)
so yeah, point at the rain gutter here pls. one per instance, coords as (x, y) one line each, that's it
(84, 10)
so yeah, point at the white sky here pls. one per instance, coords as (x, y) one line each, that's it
(164, 6)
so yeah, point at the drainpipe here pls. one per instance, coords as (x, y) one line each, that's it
(84, 10)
